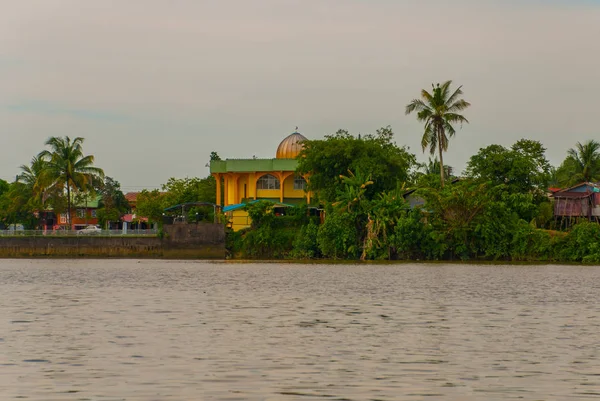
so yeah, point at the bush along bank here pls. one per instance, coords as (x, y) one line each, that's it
(464, 221)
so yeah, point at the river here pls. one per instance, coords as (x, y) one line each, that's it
(174, 330)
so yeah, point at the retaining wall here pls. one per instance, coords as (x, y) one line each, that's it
(180, 241)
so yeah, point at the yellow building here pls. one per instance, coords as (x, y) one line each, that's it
(241, 181)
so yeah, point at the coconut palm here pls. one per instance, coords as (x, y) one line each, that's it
(31, 176)
(439, 111)
(581, 165)
(67, 167)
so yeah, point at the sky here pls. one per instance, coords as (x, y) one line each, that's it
(154, 86)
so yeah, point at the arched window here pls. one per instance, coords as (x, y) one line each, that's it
(268, 181)
(299, 183)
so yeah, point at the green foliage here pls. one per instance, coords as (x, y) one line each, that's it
(186, 190)
(4, 187)
(581, 165)
(151, 204)
(375, 156)
(270, 236)
(113, 203)
(305, 243)
(468, 220)
(415, 239)
(522, 169)
(233, 242)
(545, 215)
(582, 244)
(337, 237)
(455, 212)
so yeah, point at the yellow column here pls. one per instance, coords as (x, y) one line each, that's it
(236, 191)
(226, 190)
(281, 179)
(231, 189)
(252, 185)
(218, 179)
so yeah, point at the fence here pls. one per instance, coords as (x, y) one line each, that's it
(75, 233)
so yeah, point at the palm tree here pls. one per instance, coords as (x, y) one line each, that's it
(66, 166)
(31, 177)
(581, 165)
(439, 110)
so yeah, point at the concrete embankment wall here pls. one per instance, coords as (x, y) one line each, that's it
(182, 241)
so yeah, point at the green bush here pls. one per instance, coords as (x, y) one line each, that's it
(305, 244)
(581, 244)
(337, 237)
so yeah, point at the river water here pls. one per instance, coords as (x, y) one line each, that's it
(169, 330)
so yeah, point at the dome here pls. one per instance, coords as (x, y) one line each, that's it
(291, 146)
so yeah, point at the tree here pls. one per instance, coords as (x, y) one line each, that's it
(523, 168)
(375, 156)
(581, 165)
(66, 166)
(150, 204)
(214, 156)
(113, 203)
(439, 110)
(4, 202)
(184, 190)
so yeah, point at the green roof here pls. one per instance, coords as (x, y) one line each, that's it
(92, 201)
(252, 165)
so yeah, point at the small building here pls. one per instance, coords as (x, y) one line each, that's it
(240, 181)
(83, 213)
(581, 200)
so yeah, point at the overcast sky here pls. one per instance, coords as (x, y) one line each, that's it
(154, 85)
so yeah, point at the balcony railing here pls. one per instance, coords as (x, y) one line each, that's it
(77, 233)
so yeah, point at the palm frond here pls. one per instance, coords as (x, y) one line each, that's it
(452, 118)
(415, 105)
(444, 90)
(459, 105)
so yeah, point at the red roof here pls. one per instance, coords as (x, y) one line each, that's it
(131, 196)
(128, 218)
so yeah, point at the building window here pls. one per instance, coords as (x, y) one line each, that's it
(268, 181)
(299, 183)
(94, 213)
(81, 213)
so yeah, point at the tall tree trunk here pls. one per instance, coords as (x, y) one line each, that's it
(68, 204)
(440, 147)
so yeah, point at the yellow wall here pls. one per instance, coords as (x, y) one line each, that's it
(239, 219)
(289, 191)
(243, 180)
(233, 187)
(267, 193)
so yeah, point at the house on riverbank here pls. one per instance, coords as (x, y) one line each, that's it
(579, 201)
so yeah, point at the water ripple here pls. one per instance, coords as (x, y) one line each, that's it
(169, 330)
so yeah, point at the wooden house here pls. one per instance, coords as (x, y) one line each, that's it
(579, 201)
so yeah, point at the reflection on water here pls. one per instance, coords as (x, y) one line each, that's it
(165, 330)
